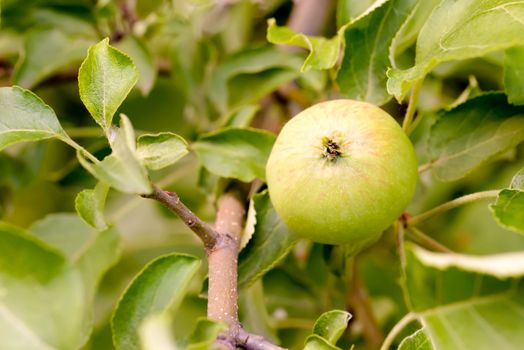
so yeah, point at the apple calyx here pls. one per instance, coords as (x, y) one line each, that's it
(331, 149)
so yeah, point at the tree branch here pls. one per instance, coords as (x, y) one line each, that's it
(204, 231)
(358, 300)
(255, 342)
(223, 260)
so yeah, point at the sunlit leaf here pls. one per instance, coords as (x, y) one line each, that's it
(105, 79)
(362, 75)
(416, 341)
(90, 204)
(159, 287)
(122, 169)
(455, 296)
(472, 133)
(161, 150)
(460, 30)
(25, 117)
(514, 74)
(270, 243)
(323, 52)
(235, 152)
(508, 209)
(47, 52)
(316, 342)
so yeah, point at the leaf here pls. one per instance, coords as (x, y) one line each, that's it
(508, 208)
(459, 30)
(242, 117)
(90, 251)
(161, 150)
(254, 312)
(472, 133)
(316, 342)
(47, 52)
(90, 204)
(514, 74)
(262, 69)
(43, 304)
(467, 302)
(159, 287)
(240, 153)
(205, 334)
(156, 334)
(137, 49)
(105, 79)
(362, 74)
(323, 53)
(349, 10)
(122, 169)
(331, 325)
(25, 117)
(270, 243)
(416, 341)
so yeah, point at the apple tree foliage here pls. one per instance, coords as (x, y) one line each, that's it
(188, 94)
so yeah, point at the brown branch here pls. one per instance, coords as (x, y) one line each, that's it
(204, 231)
(358, 300)
(222, 260)
(310, 16)
(222, 245)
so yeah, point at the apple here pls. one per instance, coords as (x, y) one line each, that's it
(340, 172)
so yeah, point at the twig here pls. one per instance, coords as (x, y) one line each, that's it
(412, 106)
(310, 16)
(204, 231)
(254, 342)
(425, 167)
(450, 205)
(426, 241)
(358, 299)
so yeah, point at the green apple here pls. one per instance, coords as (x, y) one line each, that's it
(341, 172)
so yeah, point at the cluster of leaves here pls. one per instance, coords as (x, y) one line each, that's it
(50, 273)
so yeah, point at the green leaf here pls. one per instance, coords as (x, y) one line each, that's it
(508, 210)
(467, 302)
(362, 75)
(262, 69)
(270, 243)
(25, 256)
(316, 342)
(25, 117)
(460, 30)
(514, 74)
(323, 53)
(331, 325)
(92, 252)
(159, 287)
(122, 169)
(105, 79)
(90, 204)
(416, 341)
(47, 52)
(205, 334)
(161, 150)
(43, 304)
(156, 333)
(240, 153)
(472, 133)
(241, 117)
(254, 313)
(348, 10)
(137, 49)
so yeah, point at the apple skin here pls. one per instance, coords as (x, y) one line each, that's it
(341, 172)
